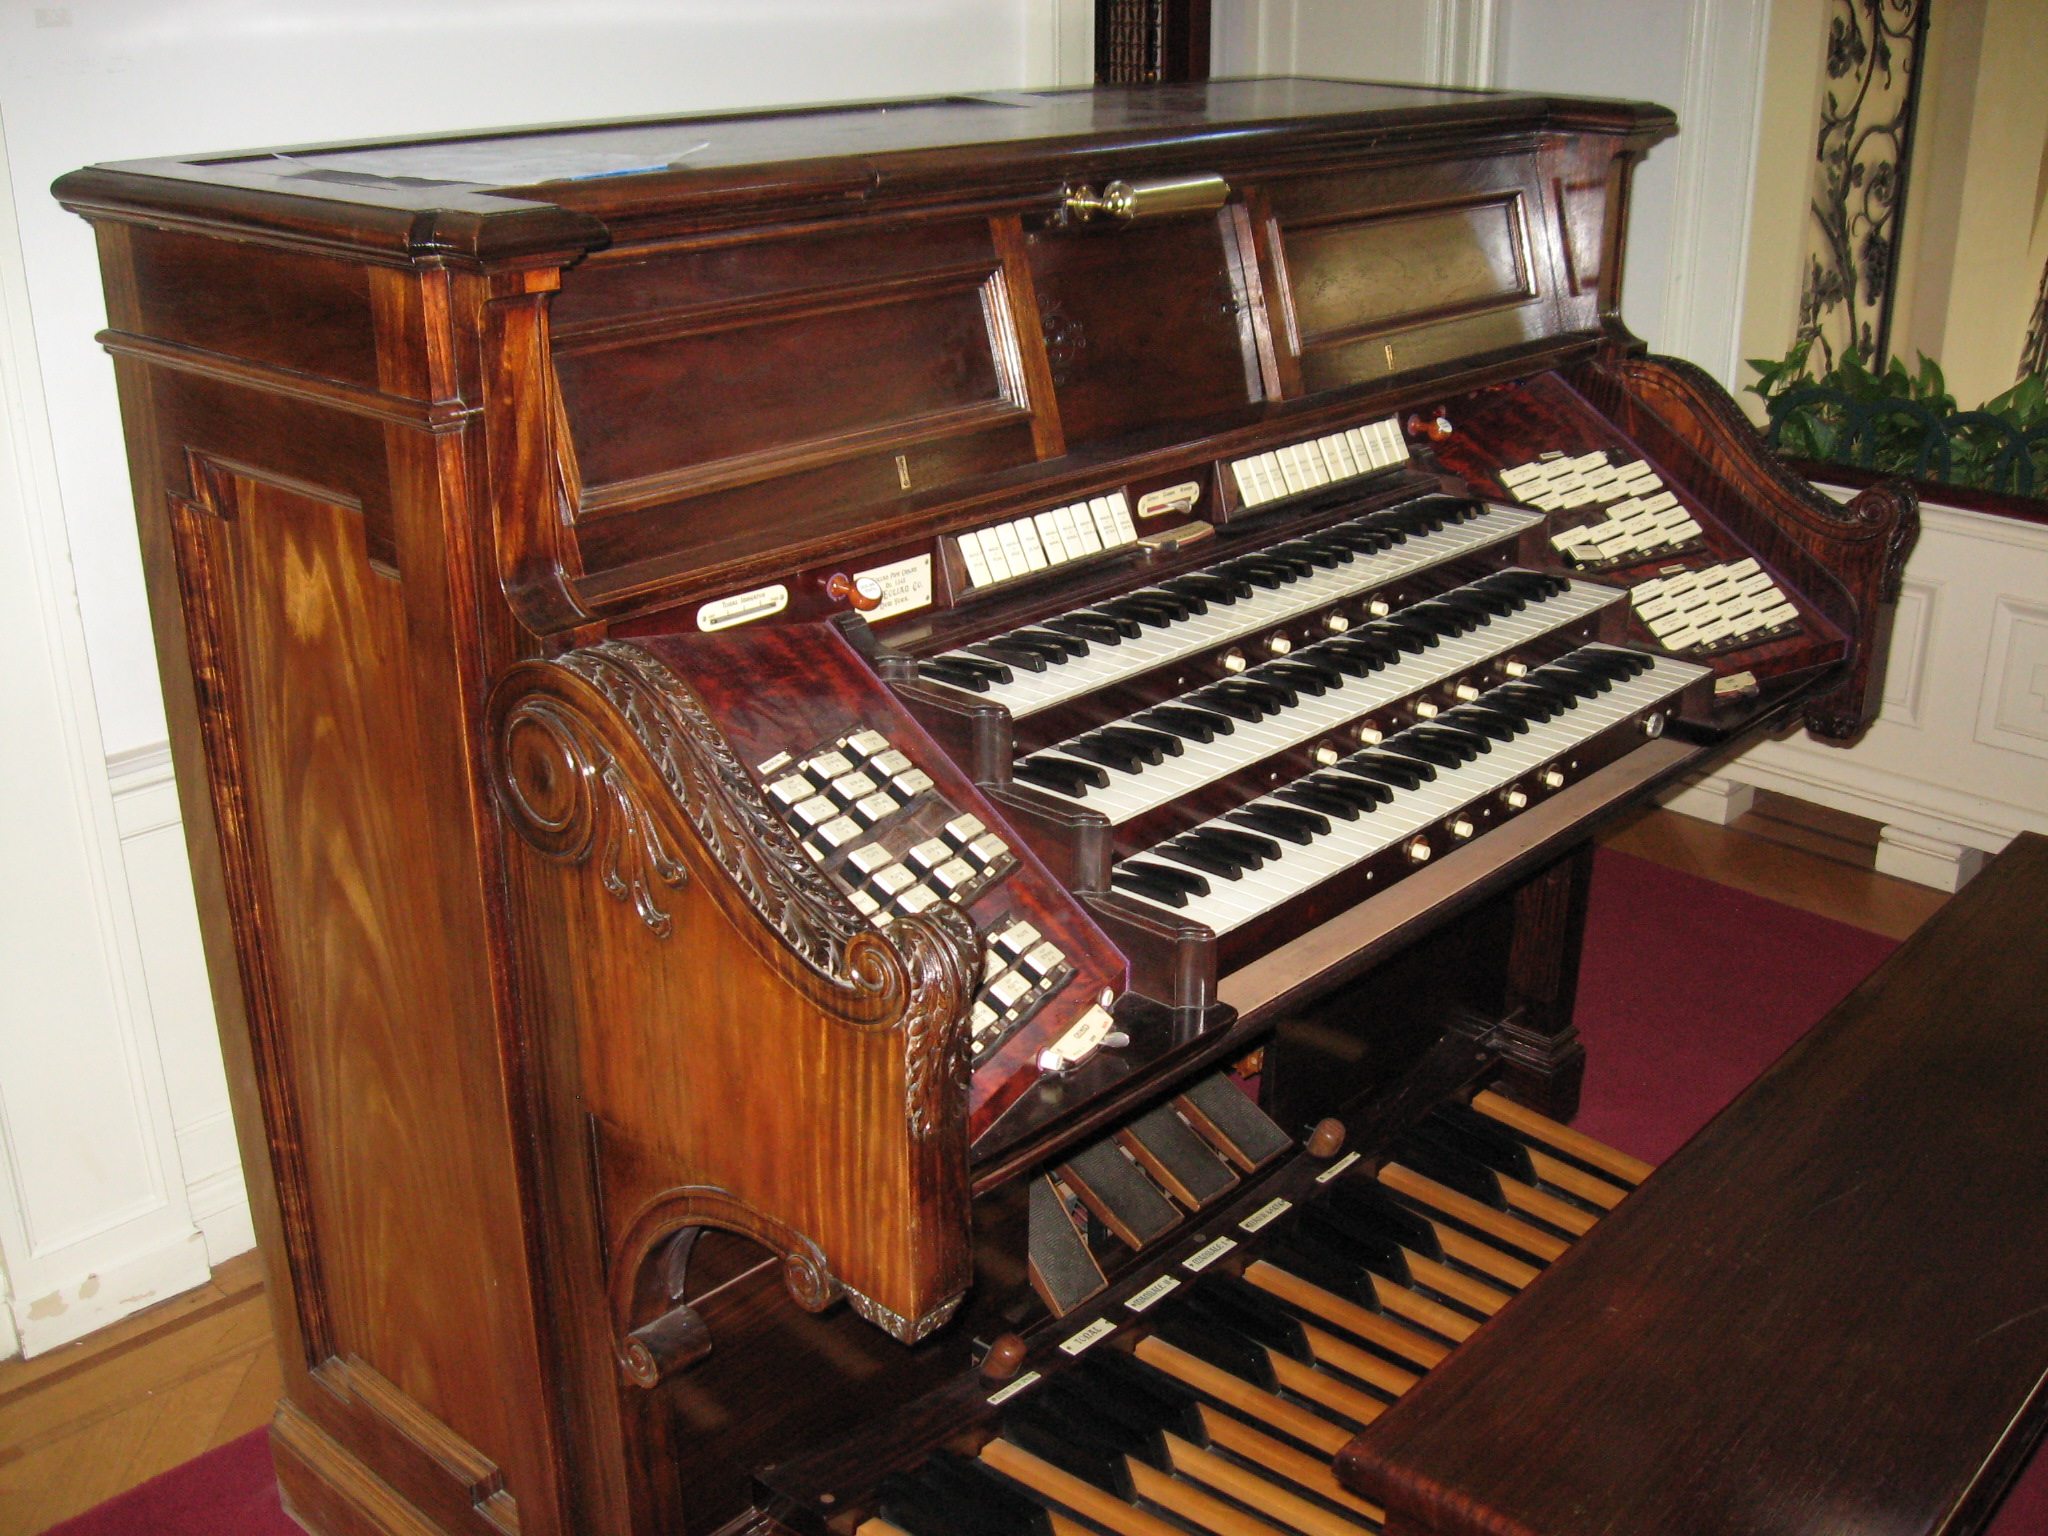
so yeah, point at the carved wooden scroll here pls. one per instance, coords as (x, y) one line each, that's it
(1847, 560)
(775, 1062)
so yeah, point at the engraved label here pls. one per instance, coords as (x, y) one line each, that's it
(742, 607)
(1337, 1167)
(1094, 1333)
(905, 585)
(903, 471)
(997, 1399)
(1164, 1286)
(1266, 1214)
(1175, 499)
(1202, 1258)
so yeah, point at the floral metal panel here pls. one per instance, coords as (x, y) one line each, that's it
(1861, 154)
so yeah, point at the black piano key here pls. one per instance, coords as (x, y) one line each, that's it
(1236, 706)
(1343, 662)
(1297, 826)
(1141, 738)
(1306, 549)
(1302, 669)
(1470, 744)
(1422, 750)
(1583, 685)
(1619, 665)
(1487, 722)
(1027, 657)
(1196, 856)
(1274, 674)
(1389, 768)
(1366, 794)
(1265, 847)
(1185, 881)
(1190, 604)
(1140, 882)
(1060, 774)
(1152, 615)
(1220, 844)
(1086, 626)
(1051, 639)
(1309, 798)
(1272, 691)
(1374, 651)
(1126, 626)
(949, 669)
(1357, 538)
(1111, 754)
(1336, 549)
(1210, 586)
(1444, 618)
(1534, 700)
(1268, 577)
(1386, 632)
(1195, 724)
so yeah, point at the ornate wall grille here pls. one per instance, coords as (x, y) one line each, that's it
(1861, 155)
(1141, 42)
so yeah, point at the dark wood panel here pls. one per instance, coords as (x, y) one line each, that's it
(1141, 325)
(771, 390)
(307, 313)
(1823, 1314)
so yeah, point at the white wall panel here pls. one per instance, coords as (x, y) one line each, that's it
(118, 1179)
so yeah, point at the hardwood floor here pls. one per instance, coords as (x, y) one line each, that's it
(86, 1422)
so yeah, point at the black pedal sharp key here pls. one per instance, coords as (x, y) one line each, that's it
(1224, 1348)
(1450, 1168)
(1485, 1138)
(1131, 1389)
(1358, 1244)
(1232, 1123)
(1125, 1201)
(974, 1484)
(1366, 1205)
(1081, 1423)
(1177, 1157)
(1238, 1304)
(1030, 1429)
(1063, 1271)
(1304, 1255)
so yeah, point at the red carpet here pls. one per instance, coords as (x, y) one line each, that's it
(1688, 991)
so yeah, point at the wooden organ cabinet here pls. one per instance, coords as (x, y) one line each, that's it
(884, 792)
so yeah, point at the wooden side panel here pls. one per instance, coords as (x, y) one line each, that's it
(375, 1050)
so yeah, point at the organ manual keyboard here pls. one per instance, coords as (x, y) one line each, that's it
(829, 752)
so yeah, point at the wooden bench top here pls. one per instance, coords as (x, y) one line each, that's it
(1828, 1313)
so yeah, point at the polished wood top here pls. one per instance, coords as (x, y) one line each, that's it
(1827, 1313)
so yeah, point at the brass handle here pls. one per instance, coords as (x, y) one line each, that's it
(1128, 200)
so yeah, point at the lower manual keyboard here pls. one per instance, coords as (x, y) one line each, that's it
(1322, 827)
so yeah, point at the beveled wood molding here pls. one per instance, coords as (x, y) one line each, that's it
(354, 399)
(476, 1477)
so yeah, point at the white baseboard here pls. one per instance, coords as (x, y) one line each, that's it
(1710, 798)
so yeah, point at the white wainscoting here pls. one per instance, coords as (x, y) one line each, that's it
(174, 971)
(1957, 763)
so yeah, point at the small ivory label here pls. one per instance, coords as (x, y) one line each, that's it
(907, 584)
(1163, 1287)
(997, 1398)
(742, 608)
(1266, 1214)
(1202, 1258)
(1337, 1167)
(1094, 1333)
(1178, 499)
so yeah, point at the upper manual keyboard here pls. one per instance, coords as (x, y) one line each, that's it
(1120, 638)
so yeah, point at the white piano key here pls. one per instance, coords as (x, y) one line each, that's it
(1028, 692)
(1231, 903)
(1128, 795)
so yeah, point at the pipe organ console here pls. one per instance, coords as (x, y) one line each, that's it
(892, 801)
